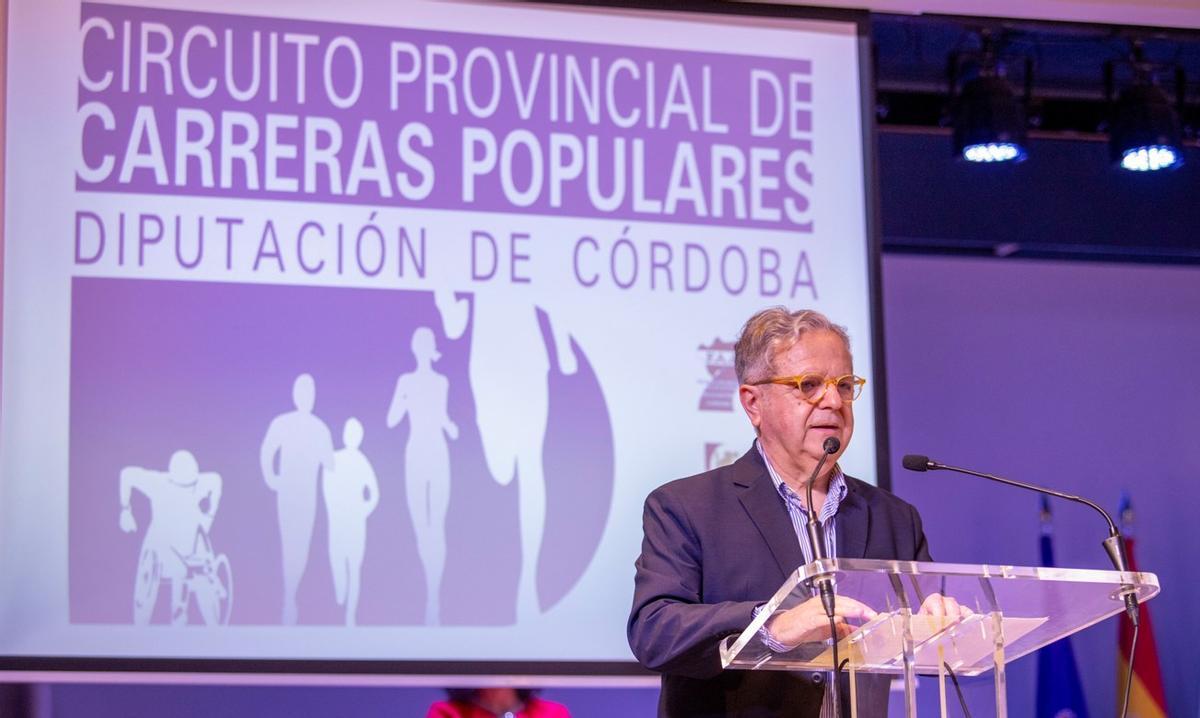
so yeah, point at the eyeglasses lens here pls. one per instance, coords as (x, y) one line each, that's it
(812, 386)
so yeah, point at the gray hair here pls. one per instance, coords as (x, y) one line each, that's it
(772, 331)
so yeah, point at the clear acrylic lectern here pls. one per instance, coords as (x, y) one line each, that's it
(1010, 611)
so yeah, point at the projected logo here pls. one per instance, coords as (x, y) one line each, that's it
(718, 454)
(353, 456)
(722, 383)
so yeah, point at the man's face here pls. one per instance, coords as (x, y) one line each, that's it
(791, 429)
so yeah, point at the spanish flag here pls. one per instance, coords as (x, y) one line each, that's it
(1147, 699)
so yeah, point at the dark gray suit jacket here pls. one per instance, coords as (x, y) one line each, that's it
(715, 546)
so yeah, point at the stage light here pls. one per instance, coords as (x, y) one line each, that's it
(1155, 157)
(1145, 133)
(989, 122)
(993, 152)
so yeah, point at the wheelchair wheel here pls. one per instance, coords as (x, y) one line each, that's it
(145, 586)
(223, 573)
(213, 591)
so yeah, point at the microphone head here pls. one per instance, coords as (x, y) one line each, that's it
(831, 445)
(915, 462)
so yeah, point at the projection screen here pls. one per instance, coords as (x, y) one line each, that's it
(353, 335)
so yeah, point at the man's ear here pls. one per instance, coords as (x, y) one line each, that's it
(752, 404)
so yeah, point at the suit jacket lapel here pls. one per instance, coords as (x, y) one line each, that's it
(765, 507)
(853, 524)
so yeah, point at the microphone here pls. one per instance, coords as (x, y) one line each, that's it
(825, 581)
(815, 537)
(1114, 545)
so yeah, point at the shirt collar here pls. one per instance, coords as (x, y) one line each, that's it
(833, 498)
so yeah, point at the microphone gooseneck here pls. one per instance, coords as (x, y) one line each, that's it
(815, 538)
(830, 447)
(1114, 545)
(824, 582)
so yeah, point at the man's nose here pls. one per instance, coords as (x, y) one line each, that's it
(831, 399)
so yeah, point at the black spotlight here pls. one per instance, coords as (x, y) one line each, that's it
(989, 122)
(1145, 134)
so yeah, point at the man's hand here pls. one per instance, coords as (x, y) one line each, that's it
(938, 605)
(807, 622)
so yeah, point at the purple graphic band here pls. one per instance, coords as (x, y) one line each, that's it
(159, 367)
(204, 104)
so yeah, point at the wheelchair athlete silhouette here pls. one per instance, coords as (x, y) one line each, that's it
(176, 547)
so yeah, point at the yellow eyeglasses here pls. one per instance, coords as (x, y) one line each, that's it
(812, 387)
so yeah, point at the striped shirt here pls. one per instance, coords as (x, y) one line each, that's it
(798, 513)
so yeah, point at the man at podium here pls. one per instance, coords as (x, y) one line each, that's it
(717, 545)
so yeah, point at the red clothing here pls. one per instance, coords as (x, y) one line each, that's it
(534, 708)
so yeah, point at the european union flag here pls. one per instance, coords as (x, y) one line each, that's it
(1059, 692)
